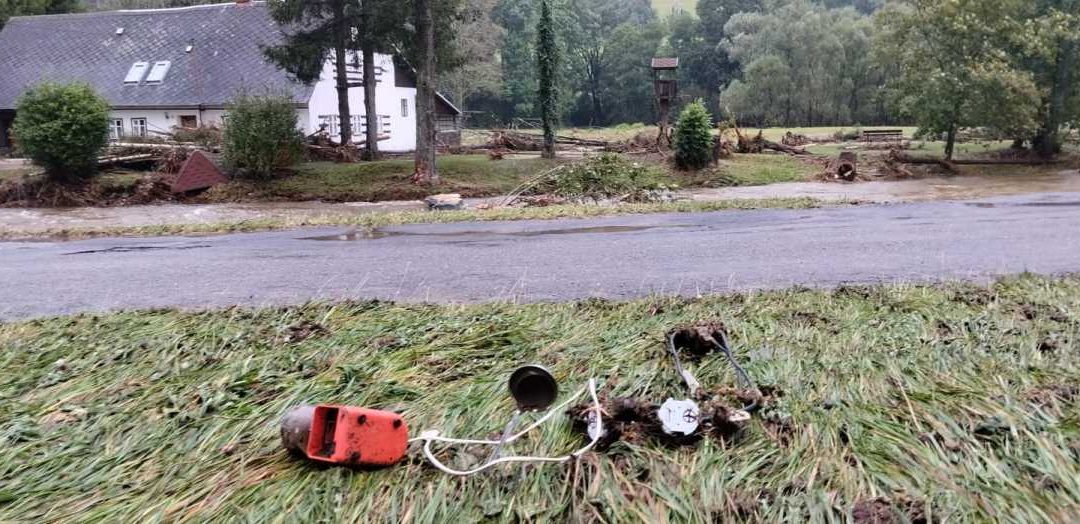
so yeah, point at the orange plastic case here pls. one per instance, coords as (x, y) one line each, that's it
(354, 436)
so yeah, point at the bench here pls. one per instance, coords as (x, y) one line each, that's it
(883, 135)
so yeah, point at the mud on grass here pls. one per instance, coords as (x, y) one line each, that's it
(164, 415)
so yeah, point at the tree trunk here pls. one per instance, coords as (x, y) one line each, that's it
(1048, 140)
(341, 36)
(950, 143)
(425, 170)
(371, 117)
(547, 59)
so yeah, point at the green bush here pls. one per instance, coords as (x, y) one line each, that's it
(63, 128)
(606, 176)
(261, 136)
(693, 137)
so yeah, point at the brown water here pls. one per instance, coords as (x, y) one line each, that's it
(934, 188)
(938, 188)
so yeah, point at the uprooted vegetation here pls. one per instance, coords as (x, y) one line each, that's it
(890, 395)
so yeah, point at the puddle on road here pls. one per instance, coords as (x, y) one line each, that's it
(353, 236)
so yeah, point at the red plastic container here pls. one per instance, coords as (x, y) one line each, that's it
(353, 436)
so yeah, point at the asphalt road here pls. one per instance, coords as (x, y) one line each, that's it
(618, 257)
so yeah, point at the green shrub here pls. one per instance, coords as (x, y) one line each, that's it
(606, 176)
(261, 136)
(693, 137)
(63, 128)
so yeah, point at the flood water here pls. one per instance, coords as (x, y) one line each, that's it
(934, 188)
(922, 189)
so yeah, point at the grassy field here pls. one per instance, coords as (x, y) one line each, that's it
(957, 403)
(664, 8)
(472, 176)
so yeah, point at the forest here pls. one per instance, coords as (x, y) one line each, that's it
(1011, 67)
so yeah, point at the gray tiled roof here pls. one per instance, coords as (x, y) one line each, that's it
(225, 59)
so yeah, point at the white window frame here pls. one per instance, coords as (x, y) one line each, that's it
(139, 127)
(136, 73)
(158, 72)
(404, 108)
(116, 129)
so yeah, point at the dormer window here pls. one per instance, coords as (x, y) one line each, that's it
(158, 72)
(136, 73)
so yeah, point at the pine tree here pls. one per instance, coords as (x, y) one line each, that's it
(547, 64)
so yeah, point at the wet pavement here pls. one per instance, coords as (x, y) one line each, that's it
(937, 188)
(615, 257)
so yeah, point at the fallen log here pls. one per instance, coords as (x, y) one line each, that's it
(768, 144)
(516, 141)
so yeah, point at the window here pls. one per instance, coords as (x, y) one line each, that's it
(138, 127)
(158, 72)
(116, 129)
(405, 107)
(189, 122)
(136, 73)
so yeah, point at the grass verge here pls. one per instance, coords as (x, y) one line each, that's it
(375, 220)
(950, 403)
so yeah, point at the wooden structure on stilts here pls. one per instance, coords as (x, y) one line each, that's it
(666, 85)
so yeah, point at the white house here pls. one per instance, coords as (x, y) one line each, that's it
(180, 67)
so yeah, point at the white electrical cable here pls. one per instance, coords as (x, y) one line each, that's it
(433, 436)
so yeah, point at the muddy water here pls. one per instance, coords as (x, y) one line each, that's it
(934, 188)
(943, 188)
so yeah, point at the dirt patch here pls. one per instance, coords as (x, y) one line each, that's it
(637, 422)
(40, 193)
(883, 510)
(302, 331)
(1052, 394)
(698, 340)
(1035, 311)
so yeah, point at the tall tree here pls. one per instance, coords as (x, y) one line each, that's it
(589, 46)
(1051, 52)
(315, 31)
(954, 67)
(368, 41)
(547, 66)
(10, 8)
(425, 171)
(479, 39)
(802, 64)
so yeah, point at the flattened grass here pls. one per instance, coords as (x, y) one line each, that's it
(953, 401)
(375, 220)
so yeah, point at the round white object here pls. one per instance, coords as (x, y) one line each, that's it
(679, 416)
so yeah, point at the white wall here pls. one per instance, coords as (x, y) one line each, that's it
(159, 120)
(388, 97)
